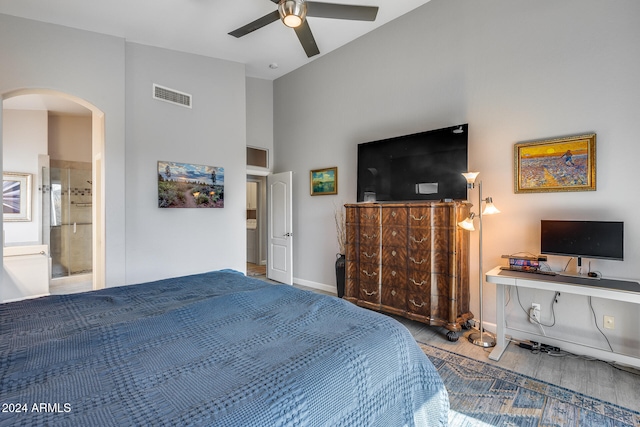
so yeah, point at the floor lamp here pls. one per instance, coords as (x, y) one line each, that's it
(480, 338)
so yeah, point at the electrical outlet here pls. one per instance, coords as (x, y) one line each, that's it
(534, 313)
(609, 322)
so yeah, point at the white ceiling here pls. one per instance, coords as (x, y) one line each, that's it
(202, 26)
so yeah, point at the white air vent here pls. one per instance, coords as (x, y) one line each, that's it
(172, 96)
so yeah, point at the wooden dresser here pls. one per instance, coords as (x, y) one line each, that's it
(410, 259)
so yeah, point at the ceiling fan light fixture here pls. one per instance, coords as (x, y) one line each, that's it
(292, 12)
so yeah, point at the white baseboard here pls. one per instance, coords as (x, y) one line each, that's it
(490, 327)
(315, 285)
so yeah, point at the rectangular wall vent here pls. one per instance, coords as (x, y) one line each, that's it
(170, 95)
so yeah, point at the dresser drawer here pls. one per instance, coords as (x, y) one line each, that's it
(370, 254)
(369, 216)
(369, 273)
(392, 276)
(419, 238)
(394, 256)
(436, 216)
(425, 281)
(396, 297)
(395, 235)
(419, 303)
(429, 261)
(370, 292)
(394, 216)
(369, 235)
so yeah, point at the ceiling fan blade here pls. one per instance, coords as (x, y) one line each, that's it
(306, 39)
(341, 11)
(256, 25)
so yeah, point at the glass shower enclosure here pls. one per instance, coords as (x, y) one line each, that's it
(67, 218)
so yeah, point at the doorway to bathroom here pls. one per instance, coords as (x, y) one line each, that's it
(255, 217)
(66, 163)
(67, 218)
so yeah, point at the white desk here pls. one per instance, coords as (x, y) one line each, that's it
(604, 288)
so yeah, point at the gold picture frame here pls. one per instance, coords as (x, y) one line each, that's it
(552, 165)
(324, 181)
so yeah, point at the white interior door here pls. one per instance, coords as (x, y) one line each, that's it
(280, 228)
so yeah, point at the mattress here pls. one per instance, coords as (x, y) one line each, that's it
(213, 349)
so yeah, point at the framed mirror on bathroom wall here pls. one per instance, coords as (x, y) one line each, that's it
(16, 196)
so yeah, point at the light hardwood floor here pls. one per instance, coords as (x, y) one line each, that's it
(614, 384)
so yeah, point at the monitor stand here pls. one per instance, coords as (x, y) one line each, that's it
(579, 275)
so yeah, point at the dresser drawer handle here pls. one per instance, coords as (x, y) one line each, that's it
(416, 262)
(393, 293)
(394, 233)
(418, 284)
(394, 273)
(373, 236)
(365, 216)
(422, 304)
(369, 274)
(369, 256)
(424, 239)
(394, 253)
(393, 214)
(369, 293)
(418, 219)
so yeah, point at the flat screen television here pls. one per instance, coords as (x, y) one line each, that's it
(421, 166)
(583, 239)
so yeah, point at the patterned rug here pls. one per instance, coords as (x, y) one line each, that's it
(481, 394)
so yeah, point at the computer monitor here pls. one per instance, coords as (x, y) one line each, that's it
(588, 239)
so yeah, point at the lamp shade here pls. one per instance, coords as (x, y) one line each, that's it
(490, 208)
(467, 224)
(470, 176)
(292, 12)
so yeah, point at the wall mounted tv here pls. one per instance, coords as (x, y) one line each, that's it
(421, 166)
(583, 239)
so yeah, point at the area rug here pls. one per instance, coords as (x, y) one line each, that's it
(481, 394)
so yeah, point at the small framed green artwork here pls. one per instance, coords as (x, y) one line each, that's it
(324, 181)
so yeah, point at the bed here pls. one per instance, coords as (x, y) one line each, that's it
(214, 349)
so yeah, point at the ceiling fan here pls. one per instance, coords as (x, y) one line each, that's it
(293, 14)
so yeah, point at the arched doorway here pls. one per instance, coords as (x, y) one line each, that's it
(61, 100)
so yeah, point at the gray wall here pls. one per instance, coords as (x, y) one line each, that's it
(515, 71)
(171, 242)
(143, 242)
(90, 66)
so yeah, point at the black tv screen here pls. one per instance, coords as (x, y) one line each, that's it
(588, 239)
(421, 166)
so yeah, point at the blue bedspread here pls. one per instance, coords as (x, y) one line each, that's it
(216, 349)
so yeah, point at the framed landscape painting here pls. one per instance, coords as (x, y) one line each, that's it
(184, 185)
(16, 196)
(562, 164)
(324, 181)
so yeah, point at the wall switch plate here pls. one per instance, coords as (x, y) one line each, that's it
(609, 322)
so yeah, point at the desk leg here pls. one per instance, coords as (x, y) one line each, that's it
(501, 339)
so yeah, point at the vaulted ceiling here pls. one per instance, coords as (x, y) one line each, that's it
(202, 26)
